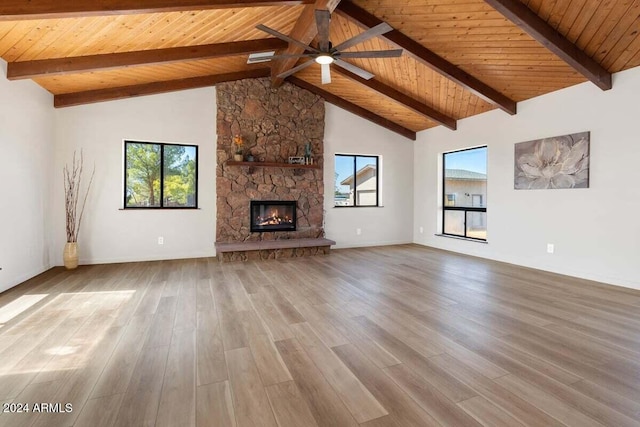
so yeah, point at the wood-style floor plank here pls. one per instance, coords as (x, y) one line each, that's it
(402, 409)
(270, 365)
(550, 405)
(178, 398)
(360, 402)
(100, 411)
(429, 398)
(386, 336)
(141, 400)
(489, 414)
(214, 406)
(325, 405)
(211, 365)
(249, 396)
(289, 406)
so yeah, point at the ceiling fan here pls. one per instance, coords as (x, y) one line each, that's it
(326, 54)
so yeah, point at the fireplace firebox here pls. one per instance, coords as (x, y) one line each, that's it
(272, 215)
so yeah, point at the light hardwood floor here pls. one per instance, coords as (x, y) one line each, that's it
(388, 336)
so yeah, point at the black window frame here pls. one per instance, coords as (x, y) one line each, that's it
(355, 170)
(162, 145)
(466, 209)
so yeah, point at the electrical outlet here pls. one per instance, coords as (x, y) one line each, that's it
(550, 248)
(358, 231)
(421, 230)
(161, 240)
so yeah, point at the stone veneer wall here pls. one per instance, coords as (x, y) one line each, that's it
(275, 124)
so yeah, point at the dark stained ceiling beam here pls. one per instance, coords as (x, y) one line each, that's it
(43, 9)
(397, 96)
(304, 30)
(429, 58)
(110, 94)
(536, 27)
(353, 108)
(78, 64)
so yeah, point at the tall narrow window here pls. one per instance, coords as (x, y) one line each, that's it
(160, 175)
(356, 180)
(464, 193)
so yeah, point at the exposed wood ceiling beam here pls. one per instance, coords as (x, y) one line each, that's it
(110, 94)
(304, 30)
(43, 9)
(77, 64)
(400, 97)
(536, 27)
(353, 108)
(429, 58)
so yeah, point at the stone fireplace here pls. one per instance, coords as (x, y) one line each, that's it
(275, 124)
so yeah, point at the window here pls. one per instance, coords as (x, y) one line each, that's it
(160, 175)
(450, 200)
(465, 193)
(356, 180)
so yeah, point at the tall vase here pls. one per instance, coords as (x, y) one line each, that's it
(70, 255)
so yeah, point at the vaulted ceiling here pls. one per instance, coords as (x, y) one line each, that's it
(461, 57)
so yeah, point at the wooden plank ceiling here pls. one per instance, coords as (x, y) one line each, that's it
(461, 57)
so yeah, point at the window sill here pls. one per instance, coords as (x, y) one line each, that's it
(159, 209)
(468, 239)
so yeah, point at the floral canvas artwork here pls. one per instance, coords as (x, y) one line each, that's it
(558, 162)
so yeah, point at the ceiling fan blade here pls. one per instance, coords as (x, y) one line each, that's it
(323, 17)
(355, 70)
(326, 74)
(370, 33)
(286, 38)
(394, 53)
(295, 69)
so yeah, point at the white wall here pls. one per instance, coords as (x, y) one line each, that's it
(596, 231)
(26, 147)
(346, 133)
(108, 233)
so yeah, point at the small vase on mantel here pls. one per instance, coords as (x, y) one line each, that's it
(70, 255)
(237, 157)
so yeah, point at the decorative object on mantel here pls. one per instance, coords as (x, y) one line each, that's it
(295, 160)
(72, 180)
(553, 163)
(238, 143)
(308, 160)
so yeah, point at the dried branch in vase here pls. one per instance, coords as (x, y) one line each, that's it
(72, 180)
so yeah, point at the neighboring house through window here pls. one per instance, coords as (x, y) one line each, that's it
(465, 193)
(356, 180)
(160, 175)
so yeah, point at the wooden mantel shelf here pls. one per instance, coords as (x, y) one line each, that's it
(271, 165)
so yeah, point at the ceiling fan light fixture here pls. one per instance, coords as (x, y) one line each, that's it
(324, 59)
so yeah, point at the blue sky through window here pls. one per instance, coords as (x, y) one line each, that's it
(472, 160)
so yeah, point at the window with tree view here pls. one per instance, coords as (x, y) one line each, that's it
(356, 180)
(464, 199)
(160, 175)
